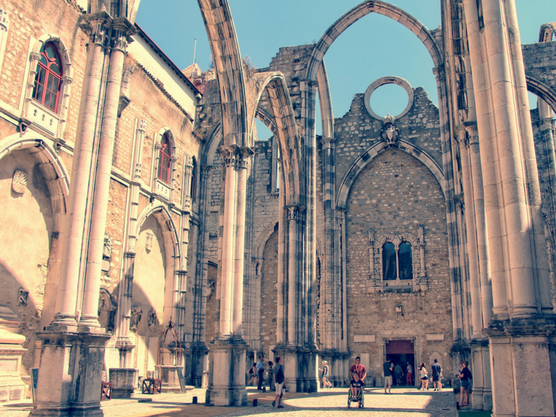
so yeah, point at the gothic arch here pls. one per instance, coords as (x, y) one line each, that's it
(164, 218)
(542, 90)
(285, 130)
(171, 250)
(51, 166)
(357, 13)
(370, 154)
(229, 71)
(547, 32)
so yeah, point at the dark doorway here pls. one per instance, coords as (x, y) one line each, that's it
(401, 352)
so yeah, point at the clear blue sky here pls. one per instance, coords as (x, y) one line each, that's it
(372, 48)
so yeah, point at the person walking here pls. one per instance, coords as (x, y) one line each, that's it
(325, 371)
(260, 372)
(436, 370)
(280, 384)
(424, 375)
(270, 376)
(465, 377)
(387, 368)
(252, 373)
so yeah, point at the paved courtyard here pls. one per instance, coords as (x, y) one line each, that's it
(401, 403)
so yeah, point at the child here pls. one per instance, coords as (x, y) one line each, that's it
(356, 386)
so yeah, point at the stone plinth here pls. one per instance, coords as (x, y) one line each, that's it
(168, 374)
(70, 376)
(227, 373)
(123, 381)
(12, 387)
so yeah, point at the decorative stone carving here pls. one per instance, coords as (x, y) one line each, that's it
(149, 241)
(107, 306)
(19, 181)
(135, 319)
(390, 133)
(22, 298)
(153, 320)
(107, 251)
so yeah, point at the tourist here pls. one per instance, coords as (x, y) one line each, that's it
(423, 374)
(356, 386)
(409, 375)
(398, 374)
(387, 367)
(270, 376)
(260, 372)
(465, 377)
(436, 370)
(253, 373)
(325, 372)
(280, 383)
(359, 369)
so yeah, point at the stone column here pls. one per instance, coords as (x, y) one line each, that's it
(476, 322)
(72, 358)
(227, 351)
(121, 30)
(517, 249)
(198, 349)
(480, 224)
(98, 25)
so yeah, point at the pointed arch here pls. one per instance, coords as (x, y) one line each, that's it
(358, 12)
(282, 123)
(370, 154)
(50, 165)
(229, 71)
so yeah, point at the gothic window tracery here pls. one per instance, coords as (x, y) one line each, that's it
(397, 261)
(48, 80)
(164, 161)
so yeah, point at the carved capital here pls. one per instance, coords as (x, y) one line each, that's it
(328, 143)
(97, 26)
(142, 125)
(294, 212)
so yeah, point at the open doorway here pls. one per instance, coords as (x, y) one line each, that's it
(401, 353)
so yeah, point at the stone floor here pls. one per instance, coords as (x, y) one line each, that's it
(401, 403)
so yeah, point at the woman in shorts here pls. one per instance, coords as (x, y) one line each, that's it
(424, 375)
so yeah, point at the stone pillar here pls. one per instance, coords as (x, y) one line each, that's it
(66, 305)
(473, 258)
(516, 242)
(72, 356)
(227, 352)
(121, 29)
(197, 353)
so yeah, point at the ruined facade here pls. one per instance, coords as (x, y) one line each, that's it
(146, 228)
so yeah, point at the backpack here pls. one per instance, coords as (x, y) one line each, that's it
(280, 375)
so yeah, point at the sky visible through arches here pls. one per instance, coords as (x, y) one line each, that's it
(373, 47)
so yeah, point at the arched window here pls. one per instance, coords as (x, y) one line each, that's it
(389, 261)
(48, 80)
(193, 179)
(405, 258)
(164, 160)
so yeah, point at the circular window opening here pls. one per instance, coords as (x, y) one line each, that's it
(389, 99)
(389, 95)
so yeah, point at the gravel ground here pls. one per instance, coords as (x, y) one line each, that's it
(333, 402)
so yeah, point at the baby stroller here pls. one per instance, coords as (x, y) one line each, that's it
(357, 398)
